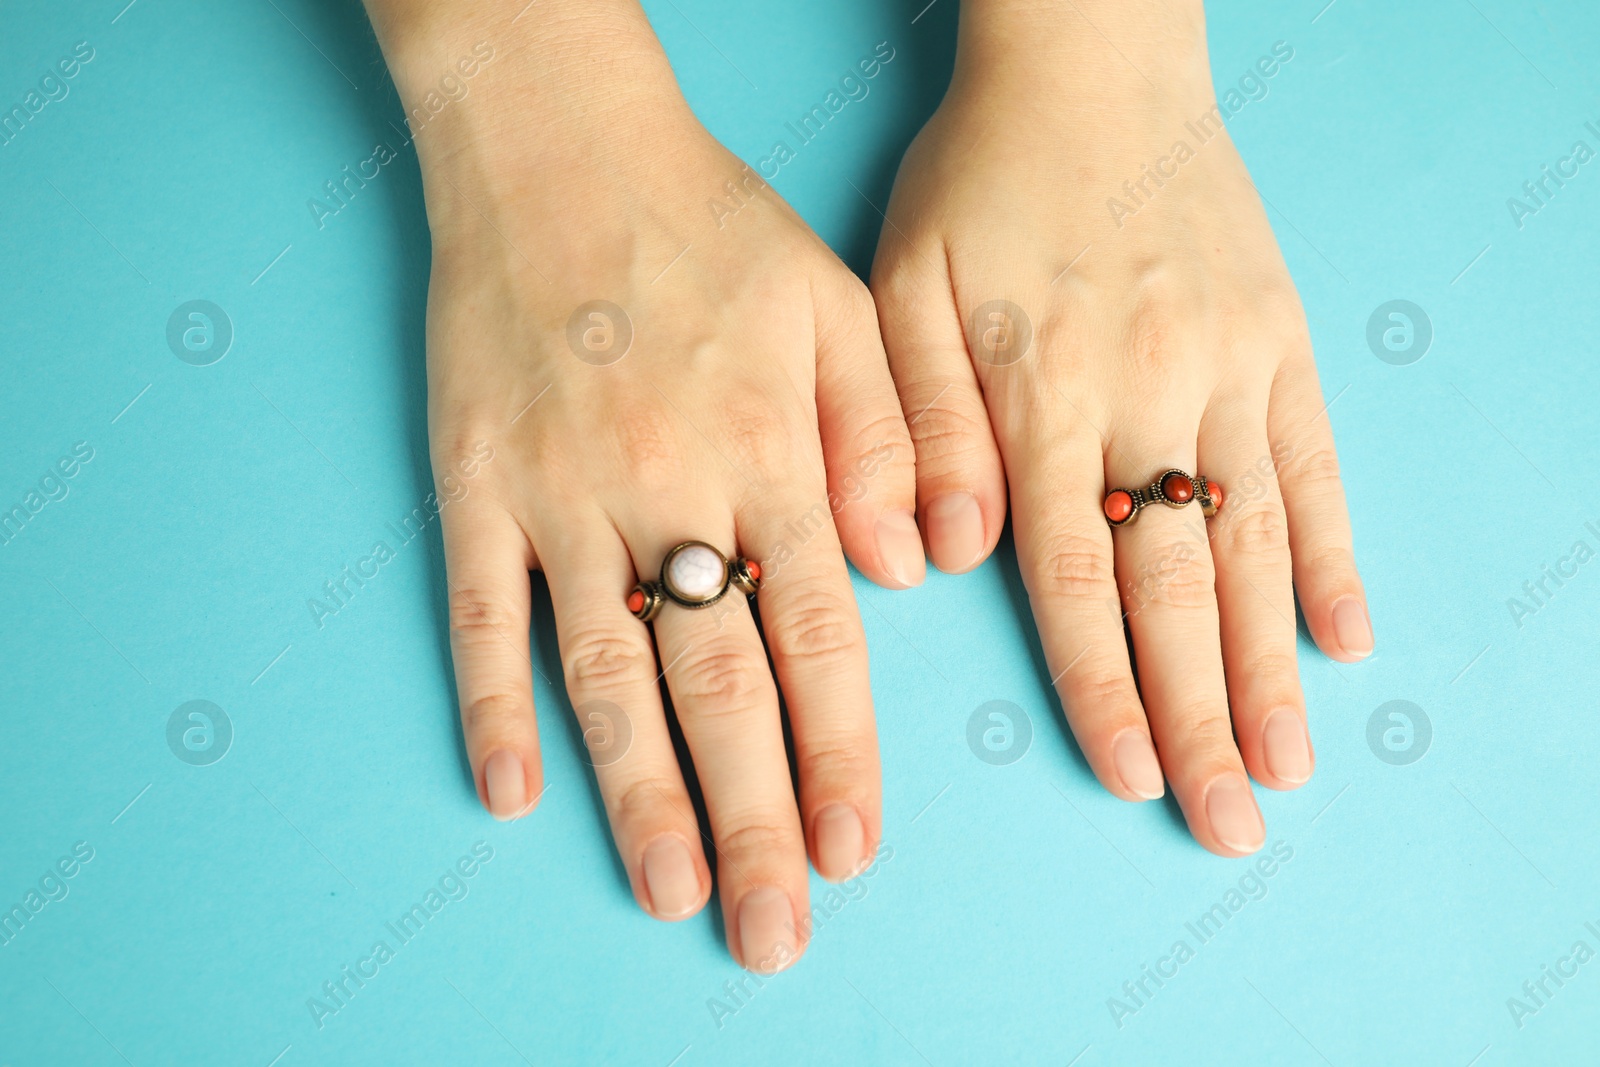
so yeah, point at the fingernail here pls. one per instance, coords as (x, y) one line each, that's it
(841, 839)
(765, 920)
(900, 548)
(1351, 627)
(671, 878)
(1286, 746)
(1136, 764)
(955, 532)
(506, 784)
(1235, 819)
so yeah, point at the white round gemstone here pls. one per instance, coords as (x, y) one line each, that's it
(696, 573)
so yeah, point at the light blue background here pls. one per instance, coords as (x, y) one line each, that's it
(1018, 898)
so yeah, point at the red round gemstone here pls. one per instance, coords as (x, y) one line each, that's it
(1177, 488)
(636, 601)
(1119, 505)
(754, 568)
(1216, 493)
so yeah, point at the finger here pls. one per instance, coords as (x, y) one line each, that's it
(871, 470)
(1331, 594)
(961, 489)
(1255, 596)
(723, 693)
(1064, 549)
(1168, 586)
(487, 556)
(814, 633)
(609, 665)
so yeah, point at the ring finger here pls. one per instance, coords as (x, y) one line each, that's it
(1168, 585)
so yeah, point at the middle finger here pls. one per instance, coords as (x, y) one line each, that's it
(723, 693)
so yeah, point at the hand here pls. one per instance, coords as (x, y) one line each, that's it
(1164, 335)
(733, 390)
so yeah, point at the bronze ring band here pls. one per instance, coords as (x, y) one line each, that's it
(1173, 487)
(694, 575)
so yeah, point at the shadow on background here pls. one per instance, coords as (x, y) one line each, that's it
(928, 52)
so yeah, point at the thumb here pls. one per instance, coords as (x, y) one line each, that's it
(865, 445)
(961, 487)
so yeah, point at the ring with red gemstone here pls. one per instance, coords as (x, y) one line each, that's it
(1173, 487)
(694, 575)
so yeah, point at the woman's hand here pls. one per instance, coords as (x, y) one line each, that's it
(1079, 289)
(646, 376)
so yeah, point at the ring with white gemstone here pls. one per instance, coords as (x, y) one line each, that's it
(694, 575)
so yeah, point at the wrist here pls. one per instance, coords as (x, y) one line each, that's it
(1100, 51)
(502, 94)
(557, 42)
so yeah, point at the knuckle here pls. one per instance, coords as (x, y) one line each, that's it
(901, 282)
(1275, 669)
(1330, 560)
(1074, 566)
(647, 440)
(599, 661)
(1269, 319)
(886, 455)
(754, 431)
(477, 616)
(457, 444)
(492, 712)
(840, 763)
(1319, 466)
(462, 456)
(1280, 303)
(1293, 334)
(947, 434)
(817, 627)
(646, 800)
(1102, 692)
(1203, 731)
(720, 682)
(1256, 531)
(1155, 330)
(885, 431)
(761, 836)
(786, 288)
(544, 447)
(1188, 584)
(856, 299)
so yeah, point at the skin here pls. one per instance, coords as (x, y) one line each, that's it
(754, 400)
(1171, 336)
